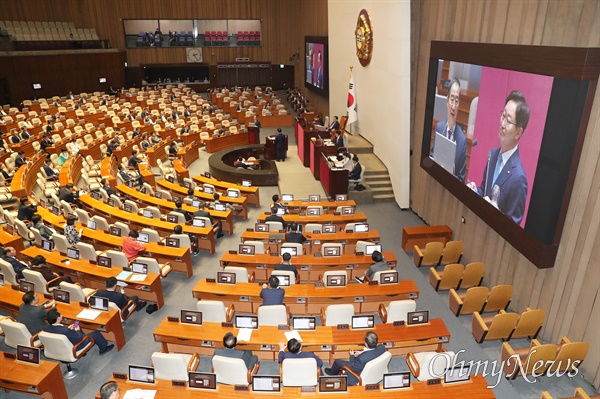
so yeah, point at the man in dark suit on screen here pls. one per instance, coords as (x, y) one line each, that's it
(504, 174)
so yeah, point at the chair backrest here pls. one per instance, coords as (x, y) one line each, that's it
(15, 333)
(124, 228)
(101, 223)
(569, 356)
(156, 214)
(334, 273)
(339, 314)
(499, 298)
(184, 239)
(452, 252)
(377, 275)
(299, 372)
(432, 253)
(375, 369)
(57, 347)
(39, 282)
(274, 225)
(36, 236)
(272, 315)
(539, 358)
(361, 246)
(298, 246)
(259, 246)
(398, 310)
(75, 291)
(82, 216)
(153, 235)
(118, 258)
(318, 208)
(529, 324)
(134, 205)
(290, 274)
(451, 276)
(180, 217)
(170, 366)
(230, 371)
(86, 251)
(153, 266)
(473, 275)
(212, 311)
(332, 245)
(241, 273)
(502, 326)
(474, 300)
(60, 243)
(312, 227)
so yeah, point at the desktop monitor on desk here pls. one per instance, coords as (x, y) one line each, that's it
(191, 317)
(287, 197)
(361, 228)
(26, 286)
(336, 280)
(284, 281)
(73, 253)
(47, 245)
(187, 184)
(280, 212)
(369, 249)
(363, 321)
(98, 303)
(96, 195)
(207, 175)
(246, 322)
(419, 317)
(140, 268)
(245, 249)
(111, 202)
(55, 210)
(196, 203)
(220, 207)
(348, 210)
(91, 224)
(333, 384)
(141, 374)
(331, 251)
(304, 323)
(293, 251)
(341, 197)
(2, 280)
(143, 237)
(114, 231)
(390, 277)
(26, 354)
(246, 183)
(313, 212)
(233, 194)
(104, 261)
(329, 229)
(62, 296)
(396, 380)
(457, 374)
(128, 208)
(208, 190)
(314, 198)
(226, 277)
(202, 380)
(266, 383)
(172, 218)
(197, 222)
(261, 227)
(147, 213)
(172, 242)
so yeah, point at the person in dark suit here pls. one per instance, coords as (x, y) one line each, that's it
(295, 352)
(229, 343)
(256, 122)
(358, 360)
(109, 190)
(294, 234)
(271, 293)
(14, 137)
(335, 125)
(273, 217)
(26, 209)
(339, 140)
(280, 145)
(18, 266)
(203, 213)
(356, 169)
(506, 175)
(31, 314)
(69, 194)
(46, 142)
(70, 96)
(45, 231)
(380, 265)
(277, 203)
(240, 163)
(179, 209)
(20, 159)
(24, 133)
(119, 298)
(286, 264)
(38, 264)
(126, 176)
(49, 170)
(134, 161)
(74, 334)
(450, 129)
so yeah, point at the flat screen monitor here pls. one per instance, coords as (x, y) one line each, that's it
(138, 267)
(158, 195)
(187, 184)
(176, 198)
(172, 242)
(314, 198)
(396, 380)
(457, 374)
(147, 213)
(336, 280)
(261, 227)
(114, 231)
(111, 202)
(313, 211)
(335, 384)
(143, 190)
(293, 251)
(208, 190)
(280, 211)
(99, 303)
(26, 286)
(245, 249)
(37, 86)
(73, 253)
(331, 251)
(363, 321)
(191, 317)
(287, 197)
(1, 279)
(284, 281)
(361, 228)
(96, 195)
(246, 322)
(226, 277)
(233, 194)
(202, 380)
(143, 237)
(131, 183)
(329, 228)
(172, 218)
(28, 355)
(128, 208)
(196, 203)
(207, 175)
(47, 245)
(55, 210)
(246, 183)
(304, 323)
(104, 261)
(197, 222)
(91, 224)
(341, 197)
(101, 80)
(420, 317)
(141, 374)
(170, 179)
(266, 383)
(348, 210)
(62, 296)
(220, 207)
(390, 277)
(369, 249)
(316, 64)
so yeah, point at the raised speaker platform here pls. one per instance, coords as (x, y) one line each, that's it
(220, 165)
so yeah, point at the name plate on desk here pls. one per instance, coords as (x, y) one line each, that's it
(173, 319)
(211, 280)
(226, 324)
(241, 388)
(284, 327)
(343, 326)
(120, 376)
(232, 252)
(374, 282)
(274, 254)
(319, 284)
(308, 389)
(398, 323)
(361, 253)
(372, 387)
(304, 267)
(177, 383)
(250, 229)
(10, 355)
(349, 267)
(84, 304)
(262, 266)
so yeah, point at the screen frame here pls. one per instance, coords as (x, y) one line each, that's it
(324, 40)
(182, 313)
(23, 348)
(211, 376)
(142, 367)
(403, 373)
(64, 292)
(361, 316)
(258, 377)
(324, 378)
(331, 276)
(410, 322)
(312, 319)
(253, 317)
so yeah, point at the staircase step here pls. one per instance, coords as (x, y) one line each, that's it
(383, 197)
(382, 190)
(379, 184)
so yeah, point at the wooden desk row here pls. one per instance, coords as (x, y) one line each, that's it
(327, 342)
(476, 389)
(338, 220)
(299, 205)
(315, 241)
(108, 323)
(251, 193)
(310, 267)
(44, 380)
(306, 299)
(94, 276)
(25, 177)
(223, 142)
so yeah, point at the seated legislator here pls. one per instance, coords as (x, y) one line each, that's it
(192, 197)
(26, 209)
(63, 157)
(15, 138)
(38, 264)
(202, 213)
(32, 315)
(127, 177)
(69, 194)
(380, 265)
(74, 334)
(193, 239)
(179, 209)
(277, 203)
(20, 159)
(286, 264)
(119, 298)
(294, 235)
(71, 234)
(356, 169)
(18, 266)
(110, 390)
(216, 201)
(295, 352)
(134, 161)
(49, 170)
(109, 190)
(240, 163)
(271, 293)
(229, 343)
(273, 217)
(358, 360)
(131, 247)
(45, 231)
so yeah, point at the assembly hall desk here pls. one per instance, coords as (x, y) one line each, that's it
(44, 380)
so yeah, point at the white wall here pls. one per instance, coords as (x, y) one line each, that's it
(382, 88)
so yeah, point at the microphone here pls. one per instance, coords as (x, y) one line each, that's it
(487, 175)
(474, 143)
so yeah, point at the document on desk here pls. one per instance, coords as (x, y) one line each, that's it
(244, 334)
(138, 277)
(124, 275)
(140, 394)
(89, 314)
(293, 334)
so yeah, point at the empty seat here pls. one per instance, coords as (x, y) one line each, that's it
(536, 357)
(427, 365)
(489, 328)
(273, 315)
(337, 314)
(373, 371)
(174, 366)
(452, 252)
(466, 303)
(299, 372)
(396, 311)
(430, 256)
(215, 311)
(473, 275)
(450, 277)
(529, 324)
(232, 371)
(498, 298)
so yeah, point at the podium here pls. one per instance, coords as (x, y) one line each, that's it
(317, 148)
(253, 135)
(334, 180)
(270, 151)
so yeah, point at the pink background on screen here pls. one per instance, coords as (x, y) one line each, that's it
(496, 84)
